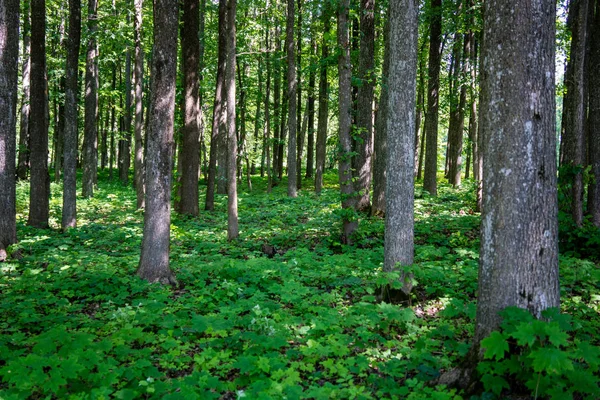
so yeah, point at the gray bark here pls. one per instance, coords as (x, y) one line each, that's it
(138, 81)
(154, 260)
(69, 212)
(519, 247)
(232, 148)
(323, 106)
(594, 118)
(23, 150)
(90, 157)
(9, 66)
(292, 87)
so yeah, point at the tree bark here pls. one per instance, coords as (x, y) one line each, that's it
(216, 135)
(292, 87)
(594, 118)
(138, 82)
(69, 212)
(310, 144)
(364, 110)
(519, 247)
(300, 132)
(154, 260)
(323, 116)
(232, 148)
(39, 194)
(349, 200)
(23, 150)
(433, 87)
(9, 66)
(190, 151)
(90, 157)
(399, 216)
(125, 126)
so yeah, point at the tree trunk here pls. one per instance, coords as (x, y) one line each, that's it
(216, 135)
(276, 106)
(39, 194)
(419, 115)
(190, 151)
(23, 150)
(323, 105)
(573, 131)
(232, 148)
(364, 104)
(292, 86)
(59, 133)
(138, 81)
(399, 197)
(9, 67)
(113, 115)
(310, 144)
(222, 145)
(299, 121)
(348, 195)
(519, 247)
(69, 212)
(154, 260)
(433, 87)
(381, 126)
(267, 127)
(594, 118)
(125, 126)
(90, 157)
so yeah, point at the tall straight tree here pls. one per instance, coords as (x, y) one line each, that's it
(402, 78)
(138, 82)
(39, 194)
(90, 156)
(299, 130)
(9, 66)
(154, 260)
(216, 138)
(323, 116)
(364, 108)
(433, 88)
(23, 153)
(573, 135)
(312, 80)
(69, 212)
(594, 118)
(190, 151)
(232, 148)
(292, 87)
(348, 196)
(518, 263)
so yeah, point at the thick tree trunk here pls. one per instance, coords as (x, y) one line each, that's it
(9, 67)
(154, 260)
(292, 87)
(69, 212)
(364, 104)
(39, 194)
(216, 135)
(573, 131)
(349, 200)
(23, 150)
(594, 117)
(399, 216)
(232, 148)
(433, 87)
(138, 82)
(381, 126)
(90, 157)
(519, 247)
(323, 106)
(190, 151)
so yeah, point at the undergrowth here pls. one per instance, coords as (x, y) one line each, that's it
(286, 311)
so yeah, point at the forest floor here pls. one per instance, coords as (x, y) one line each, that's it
(286, 311)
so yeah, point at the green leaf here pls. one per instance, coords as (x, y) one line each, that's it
(550, 360)
(524, 334)
(495, 346)
(555, 335)
(494, 383)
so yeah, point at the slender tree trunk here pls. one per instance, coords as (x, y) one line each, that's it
(573, 135)
(399, 216)
(257, 118)
(154, 260)
(364, 106)
(90, 158)
(188, 204)
(594, 117)
(519, 247)
(267, 127)
(59, 133)
(323, 105)
(299, 131)
(69, 213)
(232, 207)
(125, 126)
(433, 87)
(349, 200)
(23, 150)
(104, 119)
(9, 67)
(457, 118)
(113, 115)
(222, 146)
(292, 87)
(473, 122)
(283, 129)
(276, 104)
(422, 106)
(216, 138)
(310, 145)
(418, 117)
(138, 82)
(381, 129)
(39, 194)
